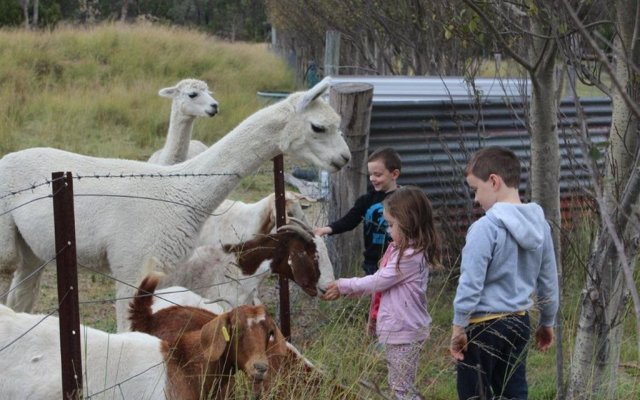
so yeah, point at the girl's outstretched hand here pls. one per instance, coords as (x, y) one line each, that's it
(332, 292)
(544, 338)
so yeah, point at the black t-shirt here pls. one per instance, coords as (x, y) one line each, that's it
(367, 209)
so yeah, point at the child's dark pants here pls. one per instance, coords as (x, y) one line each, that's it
(494, 365)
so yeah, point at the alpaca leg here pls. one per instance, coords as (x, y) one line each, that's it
(9, 258)
(25, 285)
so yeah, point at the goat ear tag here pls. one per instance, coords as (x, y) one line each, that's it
(225, 333)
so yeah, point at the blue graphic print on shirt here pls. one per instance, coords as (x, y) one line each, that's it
(375, 225)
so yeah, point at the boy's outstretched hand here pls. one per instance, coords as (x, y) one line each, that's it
(332, 292)
(544, 338)
(458, 343)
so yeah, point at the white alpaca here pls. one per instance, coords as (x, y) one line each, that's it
(191, 99)
(121, 222)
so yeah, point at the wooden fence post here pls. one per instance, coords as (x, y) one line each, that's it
(353, 101)
(332, 53)
(67, 271)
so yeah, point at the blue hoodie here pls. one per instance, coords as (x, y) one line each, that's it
(507, 256)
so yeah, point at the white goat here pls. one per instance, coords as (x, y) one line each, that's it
(122, 222)
(129, 363)
(191, 99)
(235, 221)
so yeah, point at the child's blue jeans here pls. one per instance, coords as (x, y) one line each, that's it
(494, 365)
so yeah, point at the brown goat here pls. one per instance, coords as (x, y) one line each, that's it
(292, 251)
(289, 373)
(205, 350)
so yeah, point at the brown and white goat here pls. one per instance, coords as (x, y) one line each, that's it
(238, 339)
(289, 373)
(232, 274)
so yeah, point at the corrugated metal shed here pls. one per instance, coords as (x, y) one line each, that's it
(421, 89)
(435, 140)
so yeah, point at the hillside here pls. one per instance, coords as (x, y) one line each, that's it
(95, 90)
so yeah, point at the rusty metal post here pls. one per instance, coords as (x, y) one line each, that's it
(64, 225)
(278, 178)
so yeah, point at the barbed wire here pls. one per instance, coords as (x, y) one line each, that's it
(153, 175)
(31, 201)
(29, 188)
(76, 176)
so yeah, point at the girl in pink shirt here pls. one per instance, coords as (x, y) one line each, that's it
(402, 323)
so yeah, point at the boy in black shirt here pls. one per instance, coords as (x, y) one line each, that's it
(384, 167)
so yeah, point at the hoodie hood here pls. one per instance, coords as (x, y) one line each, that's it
(525, 222)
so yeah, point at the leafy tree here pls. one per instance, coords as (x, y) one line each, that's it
(400, 37)
(10, 13)
(610, 282)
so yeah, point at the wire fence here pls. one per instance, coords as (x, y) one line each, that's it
(37, 192)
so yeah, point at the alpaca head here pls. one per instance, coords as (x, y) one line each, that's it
(191, 97)
(313, 132)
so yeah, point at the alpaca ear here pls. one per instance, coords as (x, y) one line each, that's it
(169, 92)
(214, 337)
(314, 93)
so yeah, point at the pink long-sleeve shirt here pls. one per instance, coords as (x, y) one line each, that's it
(403, 316)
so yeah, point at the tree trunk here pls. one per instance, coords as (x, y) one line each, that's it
(25, 11)
(545, 155)
(124, 11)
(597, 348)
(36, 6)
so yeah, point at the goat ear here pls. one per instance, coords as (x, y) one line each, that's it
(169, 92)
(314, 93)
(214, 336)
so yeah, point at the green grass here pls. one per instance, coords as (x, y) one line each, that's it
(94, 91)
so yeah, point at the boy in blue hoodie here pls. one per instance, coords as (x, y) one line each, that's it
(508, 256)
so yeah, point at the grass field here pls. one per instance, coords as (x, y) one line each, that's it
(94, 91)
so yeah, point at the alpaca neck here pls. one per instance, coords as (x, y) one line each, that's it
(239, 153)
(177, 145)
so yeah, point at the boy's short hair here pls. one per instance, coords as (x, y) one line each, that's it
(389, 157)
(495, 160)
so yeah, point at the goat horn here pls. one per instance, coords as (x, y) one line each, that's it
(306, 235)
(301, 223)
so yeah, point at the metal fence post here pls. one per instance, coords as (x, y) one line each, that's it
(278, 178)
(66, 263)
